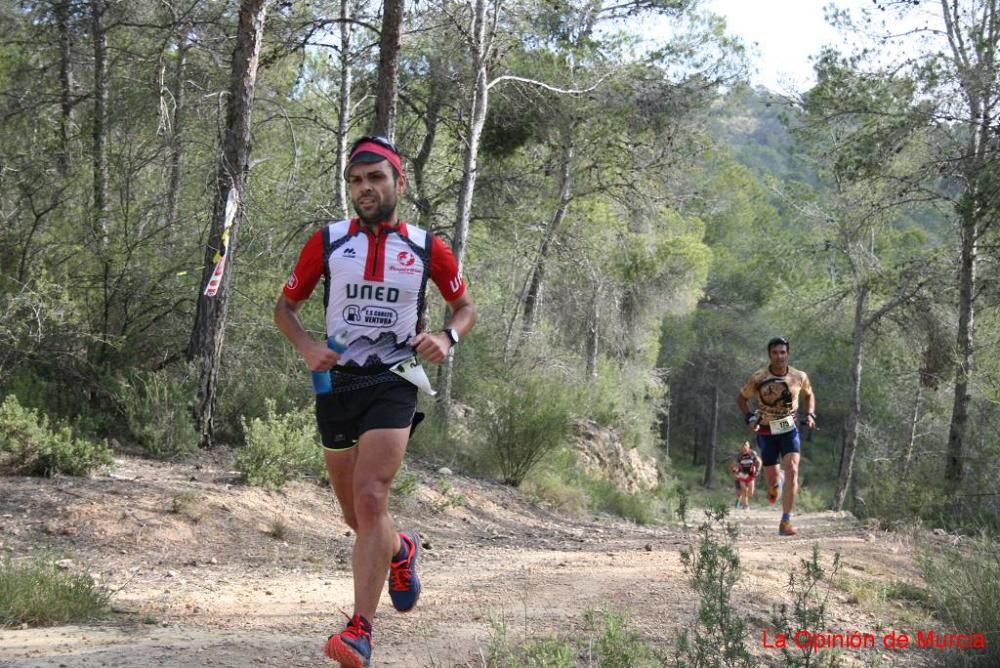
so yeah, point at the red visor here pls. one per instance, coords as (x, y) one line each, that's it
(378, 149)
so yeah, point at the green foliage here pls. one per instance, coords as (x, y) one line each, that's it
(611, 642)
(405, 483)
(549, 653)
(810, 589)
(449, 498)
(527, 419)
(157, 408)
(964, 584)
(718, 638)
(618, 645)
(627, 398)
(642, 508)
(38, 593)
(28, 446)
(279, 448)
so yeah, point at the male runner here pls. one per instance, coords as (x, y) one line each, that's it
(375, 269)
(776, 389)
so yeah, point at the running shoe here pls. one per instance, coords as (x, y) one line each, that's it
(772, 495)
(352, 647)
(785, 528)
(404, 583)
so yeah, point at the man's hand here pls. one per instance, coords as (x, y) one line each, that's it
(432, 347)
(319, 357)
(753, 426)
(810, 422)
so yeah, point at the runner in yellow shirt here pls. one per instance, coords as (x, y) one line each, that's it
(775, 390)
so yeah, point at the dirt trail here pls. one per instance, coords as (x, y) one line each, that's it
(210, 573)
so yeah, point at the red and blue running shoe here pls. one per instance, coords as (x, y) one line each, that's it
(352, 647)
(404, 583)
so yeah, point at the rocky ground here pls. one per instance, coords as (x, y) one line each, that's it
(208, 572)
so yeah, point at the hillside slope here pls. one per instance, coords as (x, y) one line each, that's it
(208, 572)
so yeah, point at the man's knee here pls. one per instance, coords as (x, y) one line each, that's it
(371, 500)
(791, 465)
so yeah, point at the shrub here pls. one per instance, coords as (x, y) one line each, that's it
(157, 408)
(719, 635)
(810, 590)
(279, 448)
(528, 420)
(964, 588)
(28, 446)
(618, 645)
(40, 594)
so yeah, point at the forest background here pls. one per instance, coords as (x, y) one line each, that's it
(634, 223)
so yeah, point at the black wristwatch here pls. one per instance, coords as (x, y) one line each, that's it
(452, 336)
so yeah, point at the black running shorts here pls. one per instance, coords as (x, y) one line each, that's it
(343, 416)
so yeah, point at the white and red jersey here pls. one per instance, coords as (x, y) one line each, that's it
(374, 285)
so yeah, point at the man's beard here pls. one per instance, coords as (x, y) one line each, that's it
(384, 212)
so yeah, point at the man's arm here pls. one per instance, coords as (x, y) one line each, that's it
(434, 346)
(810, 408)
(317, 355)
(741, 403)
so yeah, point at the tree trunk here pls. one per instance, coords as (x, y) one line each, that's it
(532, 296)
(593, 329)
(478, 106)
(177, 136)
(426, 207)
(388, 70)
(911, 442)
(65, 84)
(665, 429)
(966, 330)
(205, 347)
(974, 41)
(844, 474)
(344, 113)
(713, 440)
(100, 160)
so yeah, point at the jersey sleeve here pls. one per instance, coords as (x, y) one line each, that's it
(444, 271)
(308, 269)
(749, 388)
(806, 385)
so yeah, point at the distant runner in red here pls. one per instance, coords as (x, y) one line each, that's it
(746, 466)
(375, 270)
(775, 390)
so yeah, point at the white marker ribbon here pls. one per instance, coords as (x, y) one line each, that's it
(412, 371)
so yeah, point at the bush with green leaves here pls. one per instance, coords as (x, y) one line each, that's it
(29, 446)
(810, 588)
(617, 644)
(524, 421)
(718, 638)
(280, 447)
(38, 593)
(157, 408)
(964, 584)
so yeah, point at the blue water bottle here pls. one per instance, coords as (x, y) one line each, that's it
(322, 383)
